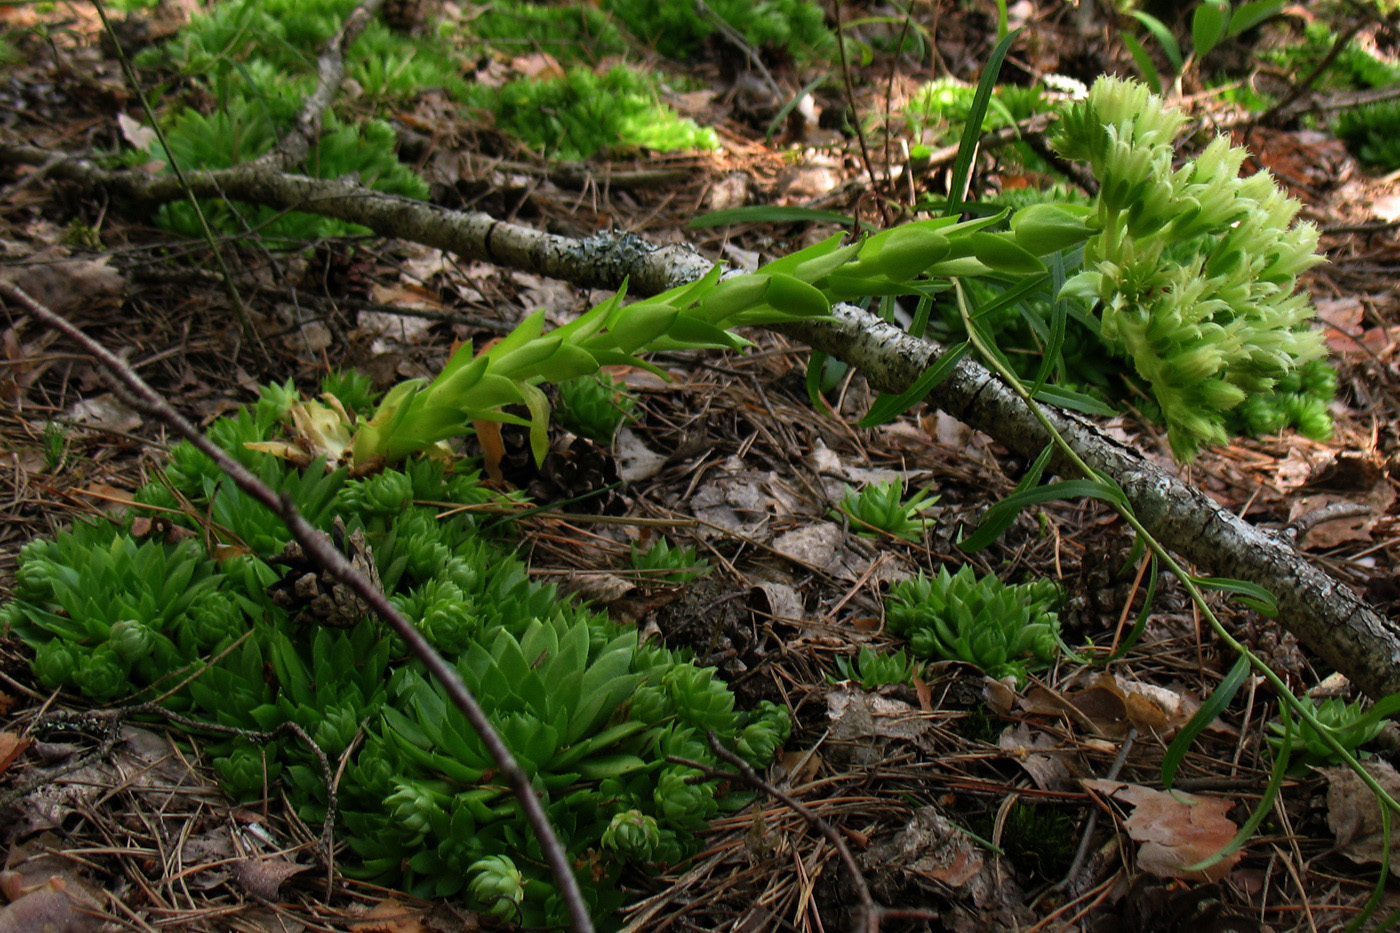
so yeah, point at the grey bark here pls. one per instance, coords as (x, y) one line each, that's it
(1325, 615)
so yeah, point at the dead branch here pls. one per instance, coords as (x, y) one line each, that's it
(1328, 617)
(319, 547)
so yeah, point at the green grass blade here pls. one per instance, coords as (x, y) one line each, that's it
(1164, 37)
(1252, 14)
(972, 132)
(1000, 516)
(1210, 710)
(1144, 62)
(1208, 25)
(1251, 594)
(889, 407)
(1074, 401)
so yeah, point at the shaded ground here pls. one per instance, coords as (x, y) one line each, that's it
(731, 458)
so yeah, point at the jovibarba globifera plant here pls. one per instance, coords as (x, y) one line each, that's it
(881, 507)
(872, 669)
(591, 713)
(595, 406)
(1193, 271)
(1192, 274)
(1348, 723)
(662, 563)
(1004, 630)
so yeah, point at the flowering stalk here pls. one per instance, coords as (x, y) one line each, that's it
(1193, 271)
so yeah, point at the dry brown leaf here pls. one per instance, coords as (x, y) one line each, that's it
(64, 285)
(1176, 829)
(264, 877)
(1113, 704)
(107, 497)
(1028, 748)
(1353, 814)
(11, 747)
(391, 916)
(801, 766)
(51, 908)
(1344, 480)
(1343, 319)
(1103, 705)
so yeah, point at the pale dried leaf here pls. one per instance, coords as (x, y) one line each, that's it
(635, 460)
(52, 908)
(814, 544)
(855, 714)
(1028, 749)
(264, 877)
(1176, 829)
(778, 602)
(599, 587)
(1354, 814)
(391, 916)
(140, 136)
(105, 412)
(1386, 207)
(64, 285)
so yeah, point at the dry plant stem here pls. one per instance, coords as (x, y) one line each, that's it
(319, 547)
(1325, 615)
(330, 71)
(597, 262)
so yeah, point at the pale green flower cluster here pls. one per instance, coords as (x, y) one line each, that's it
(1194, 269)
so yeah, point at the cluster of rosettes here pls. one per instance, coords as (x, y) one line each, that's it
(1194, 269)
(1003, 630)
(593, 715)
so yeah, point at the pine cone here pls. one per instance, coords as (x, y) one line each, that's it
(311, 595)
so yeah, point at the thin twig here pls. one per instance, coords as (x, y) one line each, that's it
(870, 910)
(1304, 85)
(318, 547)
(1092, 823)
(330, 72)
